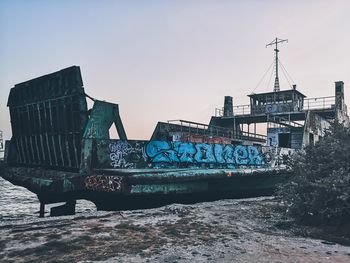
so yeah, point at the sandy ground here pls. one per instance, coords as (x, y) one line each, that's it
(246, 230)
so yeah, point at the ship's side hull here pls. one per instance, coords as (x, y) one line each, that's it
(144, 189)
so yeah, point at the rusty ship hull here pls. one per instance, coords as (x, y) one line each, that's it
(61, 151)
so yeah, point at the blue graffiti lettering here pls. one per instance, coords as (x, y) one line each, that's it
(254, 156)
(218, 152)
(204, 153)
(185, 151)
(160, 151)
(241, 155)
(229, 155)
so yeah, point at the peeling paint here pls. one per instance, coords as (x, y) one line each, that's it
(68, 186)
(41, 182)
(169, 188)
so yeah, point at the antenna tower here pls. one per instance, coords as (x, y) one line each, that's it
(275, 42)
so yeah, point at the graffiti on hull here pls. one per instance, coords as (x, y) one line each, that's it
(203, 153)
(103, 183)
(164, 154)
(120, 153)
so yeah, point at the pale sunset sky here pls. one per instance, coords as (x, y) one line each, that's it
(163, 60)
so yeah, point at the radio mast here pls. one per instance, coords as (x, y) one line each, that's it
(275, 42)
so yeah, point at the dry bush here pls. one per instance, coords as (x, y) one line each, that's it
(318, 192)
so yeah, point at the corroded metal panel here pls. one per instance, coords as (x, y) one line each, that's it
(47, 118)
(44, 181)
(103, 115)
(171, 188)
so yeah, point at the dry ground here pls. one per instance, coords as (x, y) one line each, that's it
(247, 230)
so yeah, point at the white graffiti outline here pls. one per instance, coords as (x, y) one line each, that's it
(118, 150)
(121, 149)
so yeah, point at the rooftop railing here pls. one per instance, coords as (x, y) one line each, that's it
(210, 130)
(237, 110)
(320, 103)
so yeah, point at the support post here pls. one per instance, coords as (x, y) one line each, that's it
(42, 209)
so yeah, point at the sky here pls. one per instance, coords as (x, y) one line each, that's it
(165, 60)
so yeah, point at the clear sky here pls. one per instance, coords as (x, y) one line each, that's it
(163, 60)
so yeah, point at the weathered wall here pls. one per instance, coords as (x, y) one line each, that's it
(341, 107)
(272, 135)
(275, 108)
(154, 154)
(315, 125)
(296, 138)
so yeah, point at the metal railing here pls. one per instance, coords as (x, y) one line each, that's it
(282, 121)
(210, 130)
(247, 135)
(320, 103)
(237, 110)
(241, 109)
(219, 112)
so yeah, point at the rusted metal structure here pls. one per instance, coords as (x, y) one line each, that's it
(61, 151)
(48, 115)
(182, 130)
(292, 120)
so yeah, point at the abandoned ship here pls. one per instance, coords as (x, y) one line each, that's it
(61, 150)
